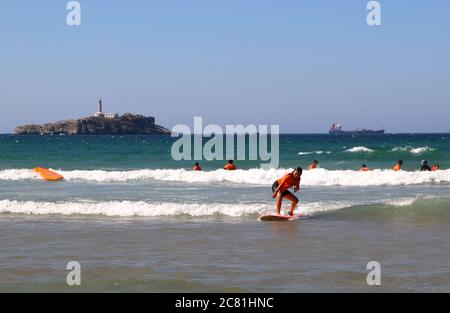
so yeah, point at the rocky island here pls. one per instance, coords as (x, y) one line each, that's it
(99, 124)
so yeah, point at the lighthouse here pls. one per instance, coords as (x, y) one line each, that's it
(100, 113)
(99, 106)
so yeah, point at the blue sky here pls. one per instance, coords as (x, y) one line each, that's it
(299, 64)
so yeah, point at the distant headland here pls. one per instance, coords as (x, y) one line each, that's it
(99, 124)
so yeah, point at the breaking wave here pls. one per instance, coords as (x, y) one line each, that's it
(413, 150)
(317, 177)
(427, 207)
(360, 150)
(314, 152)
(418, 209)
(146, 209)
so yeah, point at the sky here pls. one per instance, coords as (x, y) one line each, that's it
(299, 64)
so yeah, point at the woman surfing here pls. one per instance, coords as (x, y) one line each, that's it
(281, 187)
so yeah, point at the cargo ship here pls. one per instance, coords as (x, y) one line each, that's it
(336, 129)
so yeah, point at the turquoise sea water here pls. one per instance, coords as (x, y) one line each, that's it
(153, 152)
(137, 220)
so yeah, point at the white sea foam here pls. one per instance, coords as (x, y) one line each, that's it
(128, 208)
(314, 152)
(413, 150)
(18, 174)
(408, 201)
(145, 209)
(373, 178)
(406, 148)
(402, 202)
(359, 150)
(317, 177)
(421, 150)
(313, 208)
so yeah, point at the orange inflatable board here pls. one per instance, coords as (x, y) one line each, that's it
(47, 174)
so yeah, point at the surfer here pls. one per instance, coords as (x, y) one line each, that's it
(364, 168)
(230, 166)
(197, 167)
(398, 166)
(280, 189)
(425, 167)
(435, 167)
(313, 165)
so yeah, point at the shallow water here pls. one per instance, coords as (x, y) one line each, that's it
(324, 253)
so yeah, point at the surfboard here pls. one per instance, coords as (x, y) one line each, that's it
(48, 174)
(279, 218)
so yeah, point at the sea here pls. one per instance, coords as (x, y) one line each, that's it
(136, 220)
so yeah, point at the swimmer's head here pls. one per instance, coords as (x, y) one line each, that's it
(298, 172)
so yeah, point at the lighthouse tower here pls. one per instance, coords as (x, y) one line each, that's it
(99, 112)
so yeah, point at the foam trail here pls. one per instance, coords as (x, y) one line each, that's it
(317, 177)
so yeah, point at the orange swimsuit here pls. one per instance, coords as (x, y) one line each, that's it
(288, 181)
(230, 167)
(397, 168)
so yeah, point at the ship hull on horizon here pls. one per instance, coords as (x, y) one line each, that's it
(357, 132)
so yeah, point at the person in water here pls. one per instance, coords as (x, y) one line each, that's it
(280, 189)
(364, 168)
(425, 167)
(197, 167)
(435, 167)
(313, 165)
(230, 166)
(398, 166)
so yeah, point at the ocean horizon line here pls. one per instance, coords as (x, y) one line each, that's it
(287, 133)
